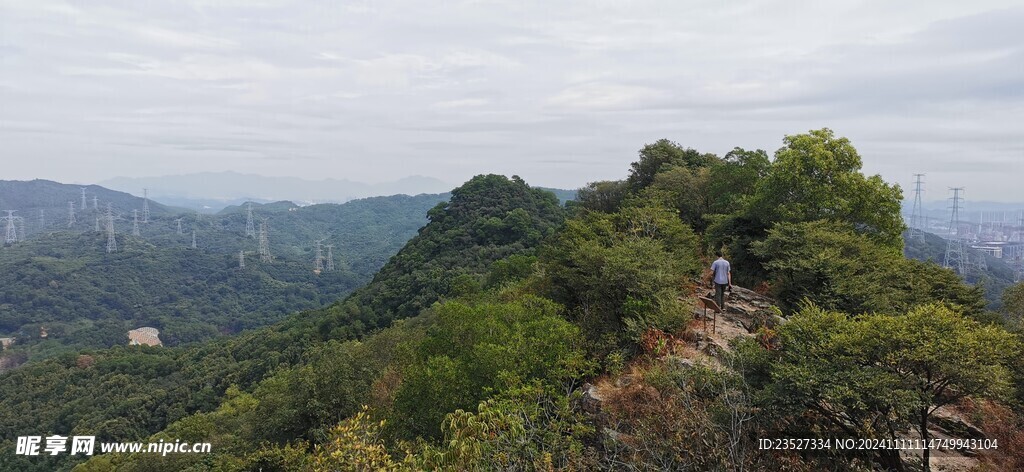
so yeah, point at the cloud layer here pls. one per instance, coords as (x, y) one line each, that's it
(560, 93)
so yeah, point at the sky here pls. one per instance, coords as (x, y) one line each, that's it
(560, 93)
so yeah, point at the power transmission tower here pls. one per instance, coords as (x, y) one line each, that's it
(83, 198)
(95, 202)
(42, 219)
(318, 261)
(179, 226)
(241, 259)
(135, 222)
(21, 229)
(916, 213)
(145, 205)
(264, 240)
(111, 239)
(193, 239)
(71, 214)
(12, 231)
(250, 229)
(955, 244)
(330, 258)
(97, 223)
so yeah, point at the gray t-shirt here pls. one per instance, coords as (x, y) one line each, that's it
(721, 269)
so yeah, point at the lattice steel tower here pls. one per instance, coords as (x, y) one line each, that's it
(111, 239)
(318, 260)
(954, 244)
(71, 214)
(330, 259)
(95, 203)
(264, 239)
(135, 222)
(42, 219)
(145, 205)
(179, 226)
(12, 230)
(83, 198)
(250, 229)
(241, 259)
(916, 213)
(193, 239)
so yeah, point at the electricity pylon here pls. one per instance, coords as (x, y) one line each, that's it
(95, 202)
(135, 222)
(83, 198)
(318, 261)
(250, 229)
(111, 239)
(145, 205)
(916, 212)
(179, 226)
(241, 259)
(12, 230)
(71, 214)
(955, 244)
(264, 240)
(193, 239)
(330, 258)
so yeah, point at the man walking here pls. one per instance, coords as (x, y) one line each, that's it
(723, 278)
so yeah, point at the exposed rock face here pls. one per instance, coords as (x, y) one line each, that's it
(144, 336)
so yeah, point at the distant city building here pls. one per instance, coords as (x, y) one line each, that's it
(144, 336)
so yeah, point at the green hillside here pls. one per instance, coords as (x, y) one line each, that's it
(66, 282)
(515, 334)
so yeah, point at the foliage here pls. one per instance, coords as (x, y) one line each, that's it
(621, 273)
(815, 176)
(839, 269)
(489, 218)
(659, 157)
(354, 444)
(86, 298)
(876, 375)
(474, 350)
(1013, 303)
(532, 427)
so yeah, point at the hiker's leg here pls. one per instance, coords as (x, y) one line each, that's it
(720, 295)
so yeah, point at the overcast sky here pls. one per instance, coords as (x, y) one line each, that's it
(558, 92)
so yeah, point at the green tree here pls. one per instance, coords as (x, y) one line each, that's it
(839, 269)
(875, 375)
(659, 157)
(1013, 303)
(817, 176)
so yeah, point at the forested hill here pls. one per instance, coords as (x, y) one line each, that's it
(64, 282)
(488, 218)
(28, 198)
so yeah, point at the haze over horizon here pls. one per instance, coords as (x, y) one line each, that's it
(560, 94)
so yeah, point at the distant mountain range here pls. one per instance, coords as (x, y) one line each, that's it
(217, 190)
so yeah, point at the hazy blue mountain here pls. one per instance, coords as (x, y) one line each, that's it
(219, 189)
